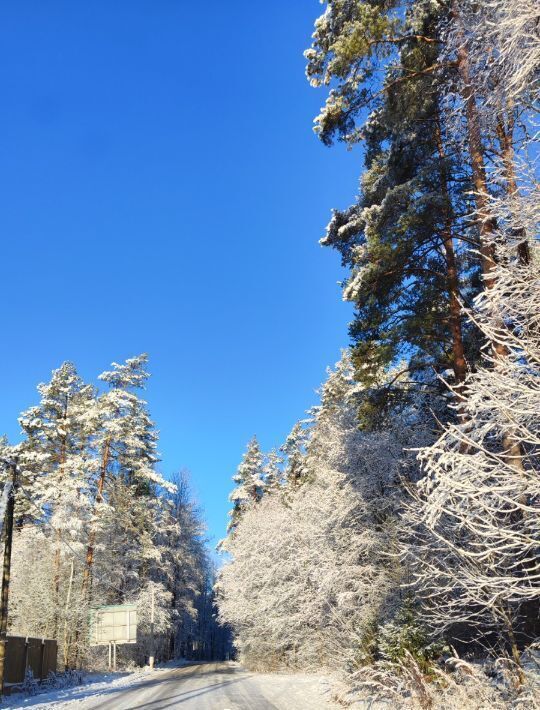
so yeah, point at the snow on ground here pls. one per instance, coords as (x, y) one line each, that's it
(196, 687)
(288, 691)
(93, 685)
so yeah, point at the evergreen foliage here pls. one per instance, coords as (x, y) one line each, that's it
(97, 524)
(424, 447)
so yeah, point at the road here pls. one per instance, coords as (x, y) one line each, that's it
(211, 686)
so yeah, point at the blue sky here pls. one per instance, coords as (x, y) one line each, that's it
(163, 191)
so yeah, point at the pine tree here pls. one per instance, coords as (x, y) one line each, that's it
(399, 240)
(184, 562)
(249, 480)
(272, 472)
(89, 485)
(476, 514)
(57, 467)
(124, 503)
(125, 442)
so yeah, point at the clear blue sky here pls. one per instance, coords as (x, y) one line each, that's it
(162, 191)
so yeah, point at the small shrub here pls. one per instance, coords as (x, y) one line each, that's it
(30, 684)
(67, 679)
(404, 636)
(366, 650)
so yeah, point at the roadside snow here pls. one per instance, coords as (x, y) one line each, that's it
(295, 690)
(93, 685)
(201, 687)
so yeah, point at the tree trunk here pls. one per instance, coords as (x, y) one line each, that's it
(57, 554)
(459, 363)
(505, 137)
(486, 222)
(513, 643)
(68, 600)
(6, 571)
(512, 449)
(92, 535)
(58, 534)
(85, 586)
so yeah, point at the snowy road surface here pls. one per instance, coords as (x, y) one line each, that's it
(207, 686)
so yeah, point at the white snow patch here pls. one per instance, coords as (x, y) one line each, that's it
(94, 685)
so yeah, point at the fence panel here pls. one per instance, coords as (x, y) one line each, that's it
(50, 653)
(15, 667)
(25, 652)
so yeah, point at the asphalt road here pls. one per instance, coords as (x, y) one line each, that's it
(213, 686)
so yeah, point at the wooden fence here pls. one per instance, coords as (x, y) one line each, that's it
(24, 653)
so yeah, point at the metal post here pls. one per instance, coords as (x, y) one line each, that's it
(6, 570)
(42, 660)
(110, 654)
(114, 655)
(151, 659)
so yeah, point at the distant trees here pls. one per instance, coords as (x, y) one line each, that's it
(97, 524)
(308, 576)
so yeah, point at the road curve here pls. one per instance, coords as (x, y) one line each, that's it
(214, 686)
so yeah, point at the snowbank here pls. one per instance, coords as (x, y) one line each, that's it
(94, 685)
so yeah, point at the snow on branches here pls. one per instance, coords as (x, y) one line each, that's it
(309, 569)
(97, 523)
(477, 510)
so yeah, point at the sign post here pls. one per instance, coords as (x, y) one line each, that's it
(113, 625)
(152, 642)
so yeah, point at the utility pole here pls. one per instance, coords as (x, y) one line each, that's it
(10, 487)
(151, 658)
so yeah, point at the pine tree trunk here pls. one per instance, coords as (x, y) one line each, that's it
(58, 540)
(505, 137)
(486, 222)
(512, 449)
(68, 600)
(92, 535)
(56, 584)
(459, 363)
(85, 586)
(6, 572)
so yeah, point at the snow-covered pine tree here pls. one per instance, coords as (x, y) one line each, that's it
(121, 535)
(272, 472)
(125, 444)
(402, 238)
(294, 450)
(249, 480)
(184, 565)
(310, 571)
(57, 471)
